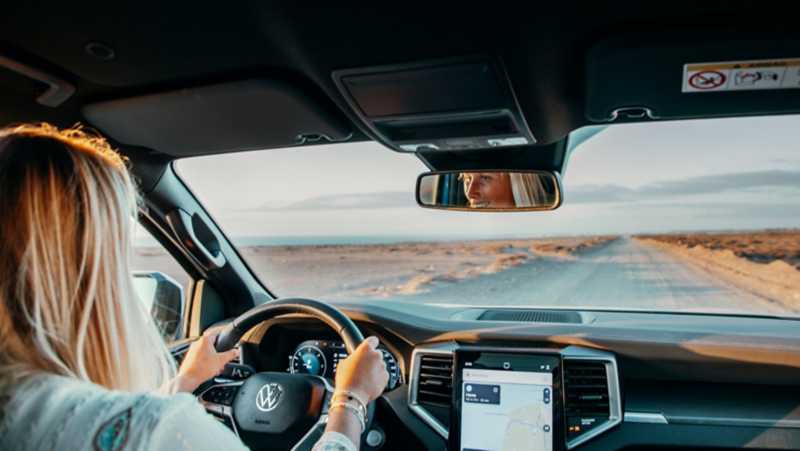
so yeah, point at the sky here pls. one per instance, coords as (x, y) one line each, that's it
(721, 174)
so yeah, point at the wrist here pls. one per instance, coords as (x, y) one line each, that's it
(351, 397)
(184, 384)
(361, 395)
(355, 410)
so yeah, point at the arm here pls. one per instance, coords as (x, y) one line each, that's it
(364, 374)
(202, 362)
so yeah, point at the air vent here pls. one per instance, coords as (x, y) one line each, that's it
(436, 380)
(586, 388)
(531, 316)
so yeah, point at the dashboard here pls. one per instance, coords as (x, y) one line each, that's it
(322, 357)
(614, 380)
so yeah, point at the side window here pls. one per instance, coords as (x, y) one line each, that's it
(161, 283)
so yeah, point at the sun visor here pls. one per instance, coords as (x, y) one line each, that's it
(685, 76)
(244, 115)
(451, 104)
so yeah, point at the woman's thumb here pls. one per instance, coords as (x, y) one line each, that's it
(370, 342)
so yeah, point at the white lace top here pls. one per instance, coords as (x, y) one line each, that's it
(54, 412)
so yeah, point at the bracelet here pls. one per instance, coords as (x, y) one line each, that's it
(352, 408)
(356, 405)
(351, 397)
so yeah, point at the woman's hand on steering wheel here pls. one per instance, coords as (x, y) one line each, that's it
(363, 372)
(202, 362)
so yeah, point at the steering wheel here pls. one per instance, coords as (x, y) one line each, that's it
(279, 411)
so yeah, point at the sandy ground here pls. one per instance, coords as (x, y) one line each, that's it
(625, 274)
(764, 264)
(381, 270)
(378, 270)
(757, 247)
(650, 273)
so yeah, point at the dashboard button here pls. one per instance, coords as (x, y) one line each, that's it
(579, 425)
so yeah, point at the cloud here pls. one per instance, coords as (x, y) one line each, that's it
(709, 184)
(720, 210)
(386, 199)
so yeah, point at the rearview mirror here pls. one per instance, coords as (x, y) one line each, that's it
(162, 296)
(489, 190)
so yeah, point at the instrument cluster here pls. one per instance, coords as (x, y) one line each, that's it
(322, 357)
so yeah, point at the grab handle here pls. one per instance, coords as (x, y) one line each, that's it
(58, 89)
(197, 238)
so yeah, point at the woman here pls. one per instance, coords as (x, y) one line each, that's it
(81, 367)
(504, 190)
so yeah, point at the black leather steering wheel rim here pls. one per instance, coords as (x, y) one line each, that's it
(344, 326)
(331, 316)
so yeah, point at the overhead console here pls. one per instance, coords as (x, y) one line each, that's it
(451, 104)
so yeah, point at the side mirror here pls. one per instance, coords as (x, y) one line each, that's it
(163, 296)
(490, 190)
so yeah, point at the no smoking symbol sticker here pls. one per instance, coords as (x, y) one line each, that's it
(707, 79)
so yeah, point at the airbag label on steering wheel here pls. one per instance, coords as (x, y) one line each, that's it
(742, 75)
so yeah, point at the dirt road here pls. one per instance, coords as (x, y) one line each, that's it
(626, 274)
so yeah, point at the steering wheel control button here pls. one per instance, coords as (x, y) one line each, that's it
(237, 372)
(221, 395)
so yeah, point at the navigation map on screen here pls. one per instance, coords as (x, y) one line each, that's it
(506, 410)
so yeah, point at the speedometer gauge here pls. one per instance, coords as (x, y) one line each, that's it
(392, 368)
(309, 360)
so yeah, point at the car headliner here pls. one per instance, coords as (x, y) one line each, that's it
(168, 45)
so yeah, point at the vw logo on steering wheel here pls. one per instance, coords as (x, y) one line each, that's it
(268, 397)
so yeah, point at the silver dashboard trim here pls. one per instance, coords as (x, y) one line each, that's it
(446, 348)
(577, 353)
(645, 417)
(569, 353)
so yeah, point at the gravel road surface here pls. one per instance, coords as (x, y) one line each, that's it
(626, 273)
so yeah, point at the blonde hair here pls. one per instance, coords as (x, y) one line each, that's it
(67, 300)
(528, 190)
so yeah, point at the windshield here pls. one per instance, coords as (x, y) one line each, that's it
(687, 215)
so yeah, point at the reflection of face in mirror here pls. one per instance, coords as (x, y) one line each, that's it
(488, 189)
(504, 190)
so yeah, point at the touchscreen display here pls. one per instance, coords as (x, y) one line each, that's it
(507, 402)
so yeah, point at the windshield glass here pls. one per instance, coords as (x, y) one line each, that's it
(689, 215)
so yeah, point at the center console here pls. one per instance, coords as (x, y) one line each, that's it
(506, 400)
(498, 398)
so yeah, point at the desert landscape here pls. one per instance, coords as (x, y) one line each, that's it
(765, 263)
(738, 272)
(381, 270)
(759, 247)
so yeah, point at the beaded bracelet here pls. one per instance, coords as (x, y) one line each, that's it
(350, 396)
(361, 418)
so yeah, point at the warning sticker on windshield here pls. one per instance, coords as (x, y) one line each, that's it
(741, 75)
